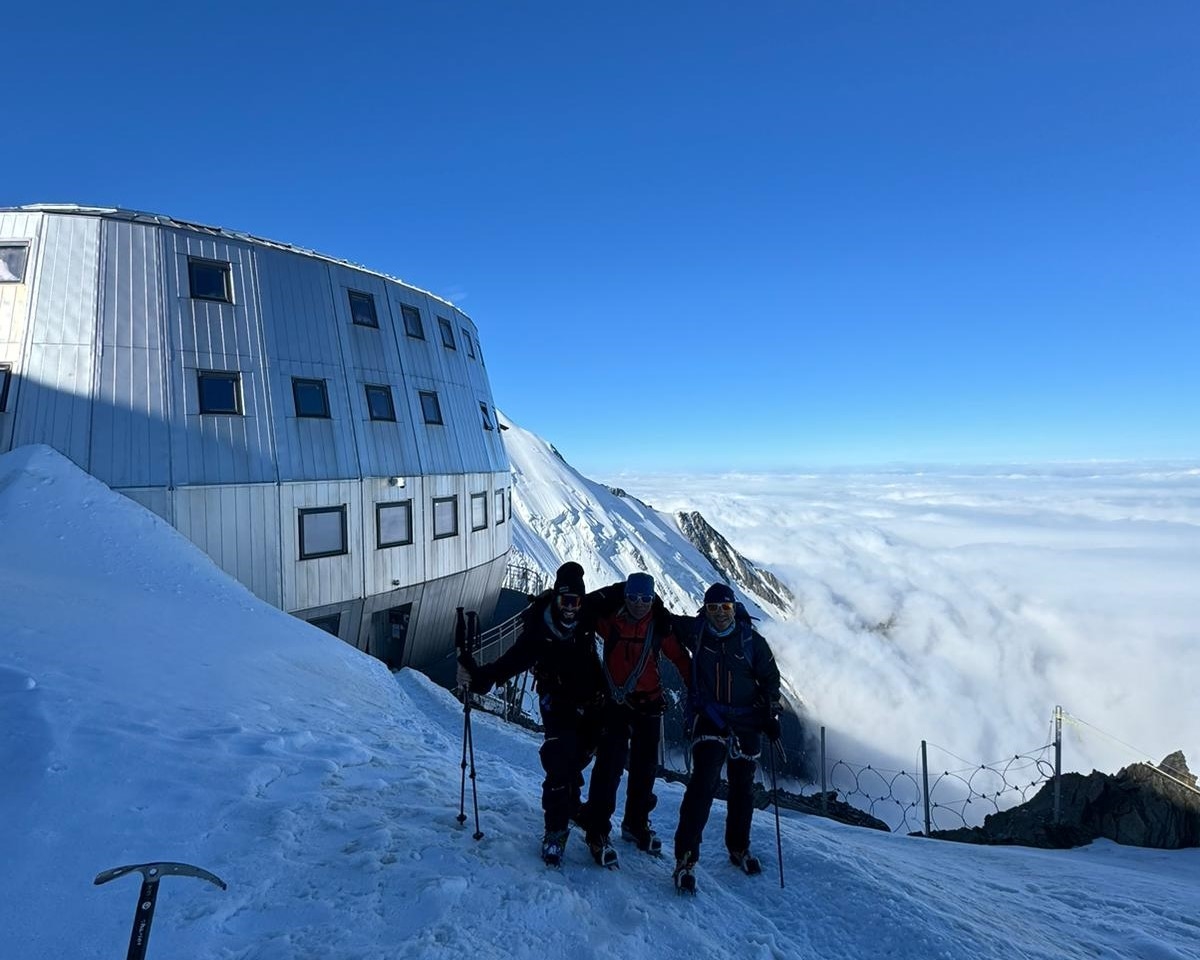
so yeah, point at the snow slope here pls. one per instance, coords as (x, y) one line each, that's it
(152, 709)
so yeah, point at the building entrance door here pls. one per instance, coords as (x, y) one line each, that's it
(391, 633)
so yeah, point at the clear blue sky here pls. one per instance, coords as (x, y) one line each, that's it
(694, 235)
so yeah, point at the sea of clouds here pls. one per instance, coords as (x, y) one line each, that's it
(960, 606)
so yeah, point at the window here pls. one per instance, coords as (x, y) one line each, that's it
(311, 398)
(445, 517)
(393, 524)
(379, 402)
(329, 624)
(479, 511)
(220, 392)
(412, 321)
(209, 280)
(447, 333)
(499, 507)
(470, 344)
(362, 309)
(431, 410)
(12, 262)
(487, 421)
(322, 532)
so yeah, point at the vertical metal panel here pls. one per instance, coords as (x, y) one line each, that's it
(216, 336)
(56, 388)
(449, 554)
(406, 563)
(158, 500)
(238, 526)
(313, 583)
(15, 299)
(130, 430)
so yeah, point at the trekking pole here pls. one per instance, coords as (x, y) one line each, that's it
(473, 640)
(460, 645)
(151, 873)
(775, 797)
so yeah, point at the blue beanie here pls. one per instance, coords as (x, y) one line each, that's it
(639, 584)
(719, 593)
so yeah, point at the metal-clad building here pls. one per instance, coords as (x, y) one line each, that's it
(325, 433)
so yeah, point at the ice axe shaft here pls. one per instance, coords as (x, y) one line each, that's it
(151, 873)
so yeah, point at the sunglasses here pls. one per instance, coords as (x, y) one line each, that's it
(723, 607)
(570, 601)
(640, 597)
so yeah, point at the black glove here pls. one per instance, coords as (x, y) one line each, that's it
(471, 675)
(771, 727)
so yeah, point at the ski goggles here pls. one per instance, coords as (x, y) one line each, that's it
(640, 597)
(723, 607)
(570, 601)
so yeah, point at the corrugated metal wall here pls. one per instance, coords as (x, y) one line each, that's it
(14, 312)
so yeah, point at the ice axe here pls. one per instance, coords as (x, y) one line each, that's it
(151, 874)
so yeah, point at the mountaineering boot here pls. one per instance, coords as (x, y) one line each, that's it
(685, 880)
(602, 851)
(746, 861)
(553, 844)
(645, 838)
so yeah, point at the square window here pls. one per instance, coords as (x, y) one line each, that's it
(447, 333)
(499, 507)
(412, 321)
(431, 409)
(479, 511)
(311, 398)
(322, 532)
(362, 309)
(470, 344)
(210, 280)
(445, 517)
(487, 421)
(220, 392)
(393, 524)
(12, 262)
(329, 624)
(379, 402)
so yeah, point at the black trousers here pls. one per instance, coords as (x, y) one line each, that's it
(569, 745)
(627, 735)
(708, 757)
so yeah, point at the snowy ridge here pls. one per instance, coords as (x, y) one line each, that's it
(561, 515)
(152, 709)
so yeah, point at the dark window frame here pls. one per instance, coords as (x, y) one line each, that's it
(440, 421)
(408, 312)
(17, 245)
(232, 375)
(498, 508)
(479, 498)
(384, 390)
(369, 299)
(306, 511)
(6, 374)
(487, 420)
(298, 381)
(433, 526)
(226, 269)
(330, 618)
(447, 334)
(470, 343)
(392, 505)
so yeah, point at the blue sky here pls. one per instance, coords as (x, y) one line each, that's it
(694, 236)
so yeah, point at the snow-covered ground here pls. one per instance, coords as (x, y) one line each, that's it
(152, 709)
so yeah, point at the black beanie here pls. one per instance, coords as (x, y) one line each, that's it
(569, 579)
(719, 593)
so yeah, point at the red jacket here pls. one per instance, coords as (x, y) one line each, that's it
(624, 645)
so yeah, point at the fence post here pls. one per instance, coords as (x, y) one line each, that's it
(824, 792)
(1058, 712)
(925, 783)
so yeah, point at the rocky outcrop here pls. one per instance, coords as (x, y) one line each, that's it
(731, 564)
(1142, 805)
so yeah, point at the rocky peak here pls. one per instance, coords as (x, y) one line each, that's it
(731, 564)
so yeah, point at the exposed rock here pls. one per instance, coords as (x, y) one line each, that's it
(1139, 806)
(731, 564)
